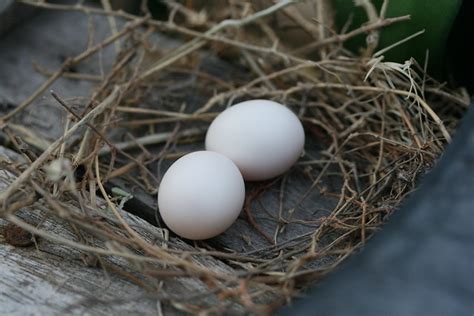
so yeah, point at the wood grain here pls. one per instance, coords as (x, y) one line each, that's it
(48, 278)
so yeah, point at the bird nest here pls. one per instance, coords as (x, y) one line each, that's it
(372, 128)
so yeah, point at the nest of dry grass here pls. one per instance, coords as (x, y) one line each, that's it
(373, 128)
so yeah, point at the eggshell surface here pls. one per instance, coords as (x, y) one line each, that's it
(263, 138)
(201, 195)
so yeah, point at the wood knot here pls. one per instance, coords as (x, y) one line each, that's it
(17, 236)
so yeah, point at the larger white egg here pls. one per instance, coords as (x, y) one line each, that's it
(263, 138)
(201, 195)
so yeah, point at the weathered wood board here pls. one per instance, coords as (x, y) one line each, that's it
(50, 37)
(49, 278)
(11, 14)
(52, 279)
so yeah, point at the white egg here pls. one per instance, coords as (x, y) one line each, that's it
(201, 195)
(263, 138)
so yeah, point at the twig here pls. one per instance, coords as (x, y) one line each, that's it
(150, 140)
(198, 43)
(112, 22)
(111, 99)
(102, 136)
(372, 15)
(321, 16)
(386, 49)
(75, 245)
(305, 24)
(69, 75)
(167, 26)
(68, 63)
(344, 37)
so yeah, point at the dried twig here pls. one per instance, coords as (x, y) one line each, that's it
(111, 99)
(67, 64)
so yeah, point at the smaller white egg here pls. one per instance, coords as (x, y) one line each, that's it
(263, 138)
(201, 195)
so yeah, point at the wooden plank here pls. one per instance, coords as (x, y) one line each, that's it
(44, 117)
(49, 278)
(49, 39)
(12, 13)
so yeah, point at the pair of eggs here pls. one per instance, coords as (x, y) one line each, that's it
(203, 192)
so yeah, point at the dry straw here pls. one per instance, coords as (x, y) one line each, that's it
(379, 125)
